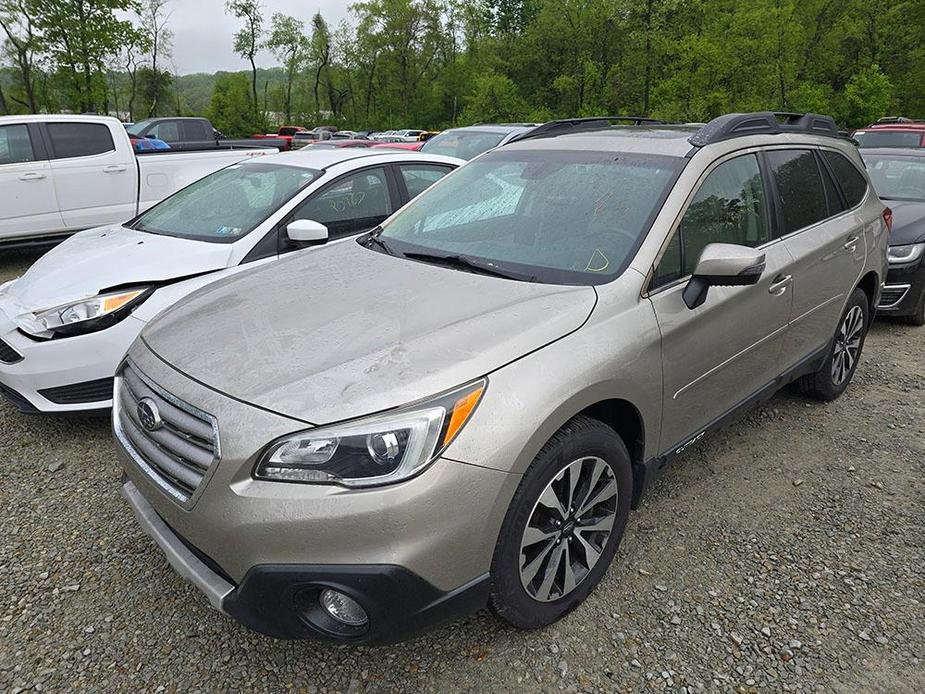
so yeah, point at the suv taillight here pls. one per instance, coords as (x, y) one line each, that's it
(888, 218)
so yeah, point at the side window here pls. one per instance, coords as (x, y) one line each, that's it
(168, 131)
(15, 145)
(79, 139)
(799, 187)
(352, 204)
(832, 196)
(730, 207)
(852, 182)
(420, 177)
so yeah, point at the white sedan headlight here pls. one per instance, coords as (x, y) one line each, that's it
(376, 450)
(900, 255)
(86, 315)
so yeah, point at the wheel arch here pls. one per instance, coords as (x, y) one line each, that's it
(870, 285)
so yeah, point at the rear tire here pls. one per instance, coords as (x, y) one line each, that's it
(836, 372)
(563, 526)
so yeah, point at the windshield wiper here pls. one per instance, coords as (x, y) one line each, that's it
(373, 238)
(468, 264)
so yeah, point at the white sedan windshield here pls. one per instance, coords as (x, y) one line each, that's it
(227, 204)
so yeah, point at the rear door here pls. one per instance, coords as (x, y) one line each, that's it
(717, 356)
(826, 241)
(96, 182)
(29, 206)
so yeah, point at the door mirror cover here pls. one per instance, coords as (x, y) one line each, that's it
(723, 265)
(307, 231)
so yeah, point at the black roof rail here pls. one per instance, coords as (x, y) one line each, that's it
(571, 125)
(763, 123)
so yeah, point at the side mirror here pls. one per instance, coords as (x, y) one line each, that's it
(723, 265)
(307, 231)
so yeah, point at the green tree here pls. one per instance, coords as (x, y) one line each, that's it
(868, 96)
(231, 110)
(22, 44)
(80, 36)
(154, 19)
(289, 45)
(494, 99)
(247, 40)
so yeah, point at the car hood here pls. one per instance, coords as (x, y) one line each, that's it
(908, 222)
(112, 256)
(344, 331)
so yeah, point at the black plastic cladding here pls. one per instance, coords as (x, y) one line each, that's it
(764, 123)
(571, 125)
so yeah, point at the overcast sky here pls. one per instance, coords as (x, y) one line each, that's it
(203, 32)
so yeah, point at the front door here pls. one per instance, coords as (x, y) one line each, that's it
(716, 356)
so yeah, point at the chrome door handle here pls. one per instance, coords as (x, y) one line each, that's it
(115, 168)
(31, 176)
(780, 284)
(851, 245)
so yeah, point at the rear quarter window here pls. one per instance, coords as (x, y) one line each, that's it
(853, 183)
(69, 140)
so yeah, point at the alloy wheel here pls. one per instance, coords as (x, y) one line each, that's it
(568, 529)
(847, 345)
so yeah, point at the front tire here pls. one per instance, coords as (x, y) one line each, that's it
(563, 526)
(836, 372)
(918, 318)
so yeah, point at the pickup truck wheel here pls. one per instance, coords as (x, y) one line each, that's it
(563, 526)
(837, 370)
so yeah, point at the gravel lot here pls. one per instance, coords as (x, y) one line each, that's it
(786, 553)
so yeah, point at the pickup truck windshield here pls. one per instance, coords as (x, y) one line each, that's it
(559, 217)
(228, 204)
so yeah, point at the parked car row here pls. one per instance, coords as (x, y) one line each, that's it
(454, 404)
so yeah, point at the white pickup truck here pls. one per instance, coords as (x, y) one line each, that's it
(60, 174)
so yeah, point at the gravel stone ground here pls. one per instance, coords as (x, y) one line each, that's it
(786, 553)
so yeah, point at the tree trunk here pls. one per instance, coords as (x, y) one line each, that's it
(647, 83)
(4, 110)
(254, 84)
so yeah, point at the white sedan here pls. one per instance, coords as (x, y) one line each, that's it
(67, 322)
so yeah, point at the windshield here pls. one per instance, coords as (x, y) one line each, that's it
(138, 128)
(897, 178)
(561, 217)
(228, 204)
(889, 138)
(464, 144)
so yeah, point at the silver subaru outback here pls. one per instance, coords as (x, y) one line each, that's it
(460, 408)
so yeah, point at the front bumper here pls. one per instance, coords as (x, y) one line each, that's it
(282, 600)
(903, 289)
(412, 554)
(67, 375)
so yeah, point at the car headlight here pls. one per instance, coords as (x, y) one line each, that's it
(86, 315)
(376, 450)
(906, 254)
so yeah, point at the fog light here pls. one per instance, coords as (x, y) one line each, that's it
(343, 608)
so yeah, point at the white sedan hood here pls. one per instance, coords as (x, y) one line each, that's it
(113, 256)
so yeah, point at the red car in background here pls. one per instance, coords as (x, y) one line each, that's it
(413, 146)
(321, 144)
(285, 132)
(892, 132)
